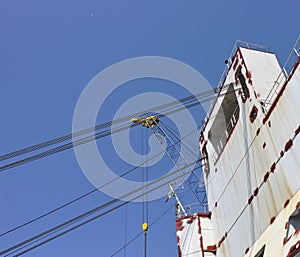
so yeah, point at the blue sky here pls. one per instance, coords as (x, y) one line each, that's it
(50, 50)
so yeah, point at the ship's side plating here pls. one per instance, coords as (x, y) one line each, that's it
(252, 167)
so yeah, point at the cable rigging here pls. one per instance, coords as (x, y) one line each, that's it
(90, 192)
(173, 153)
(150, 225)
(86, 214)
(189, 102)
(65, 224)
(66, 204)
(103, 125)
(145, 199)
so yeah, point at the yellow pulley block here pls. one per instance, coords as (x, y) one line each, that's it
(148, 122)
(145, 226)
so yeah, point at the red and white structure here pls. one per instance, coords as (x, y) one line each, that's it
(251, 145)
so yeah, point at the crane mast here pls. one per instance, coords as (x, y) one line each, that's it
(173, 147)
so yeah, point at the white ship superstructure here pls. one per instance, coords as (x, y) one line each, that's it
(250, 143)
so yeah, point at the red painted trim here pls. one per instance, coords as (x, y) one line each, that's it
(201, 137)
(294, 249)
(273, 167)
(191, 219)
(286, 225)
(297, 131)
(281, 153)
(247, 250)
(204, 214)
(179, 251)
(266, 176)
(203, 152)
(179, 226)
(257, 132)
(211, 248)
(285, 240)
(272, 220)
(288, 145)
(201, 238)
(286, 203)
(221, 241)
(244, 99)
(298, 205)
(256, 191)
(255, 94)
(248, 74)
(253, 114)
(250, 199)
(200, 214)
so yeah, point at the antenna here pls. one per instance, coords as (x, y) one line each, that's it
(177, 200)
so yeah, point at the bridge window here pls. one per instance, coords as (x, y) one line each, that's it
(225, 120)
(253, 114)
(242, 80)
(293, 223)
(261, 252)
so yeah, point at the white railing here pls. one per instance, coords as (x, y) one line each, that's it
(195, 208)
(283, 75)
(238, 43)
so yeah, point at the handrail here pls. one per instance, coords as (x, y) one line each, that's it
(238, 43)
(284, 74)
(194, 208)
(244, 44)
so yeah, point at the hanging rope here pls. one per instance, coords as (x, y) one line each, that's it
(145, 198)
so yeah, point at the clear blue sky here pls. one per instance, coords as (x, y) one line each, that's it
(50, 50)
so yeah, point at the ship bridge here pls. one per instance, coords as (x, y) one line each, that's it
(250, 146)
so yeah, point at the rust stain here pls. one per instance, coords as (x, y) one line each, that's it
(286, 203)
(201, 239)
(272, 220)
(297, 131)
(250, 199)
(255, 192)
(179, 251)
(273, 167)
(211, 248)
(294, 249)
(266, 176)
(288, 145)
(257, 132)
